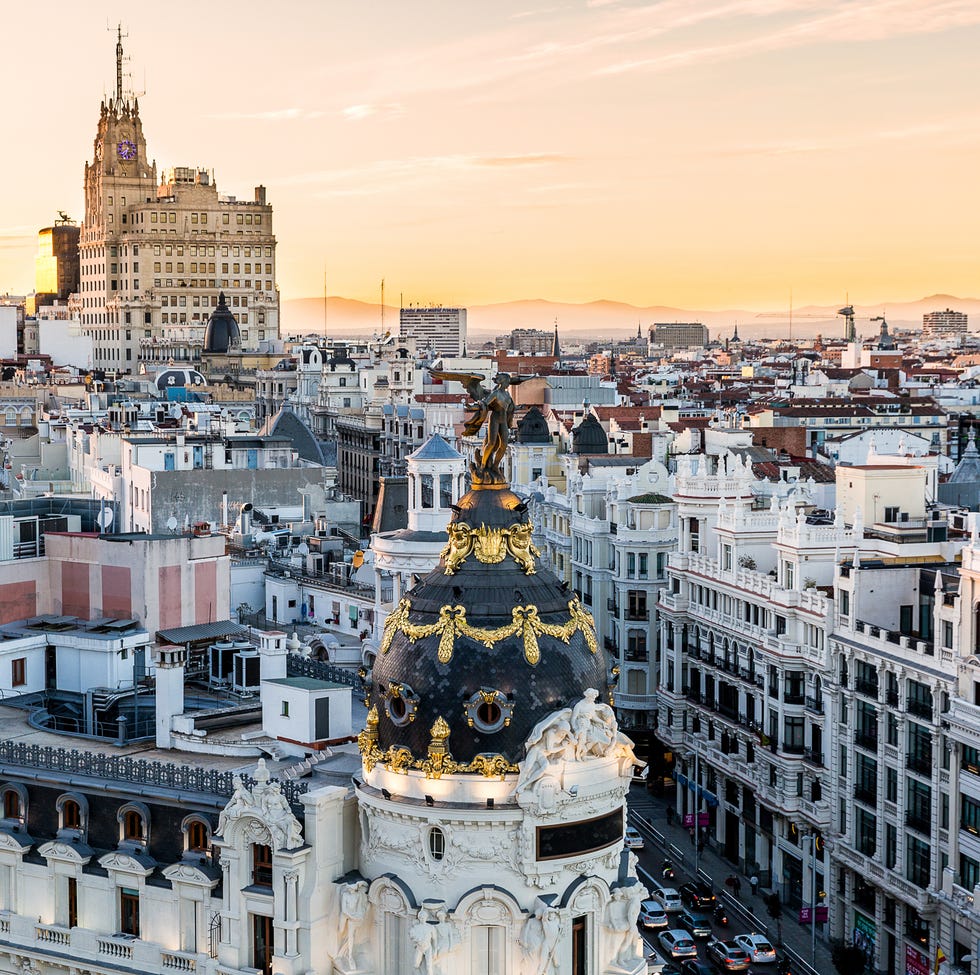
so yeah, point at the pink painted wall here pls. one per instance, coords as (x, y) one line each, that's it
(18, 601)
(76, 598)
(117, 596)
(205, 592)
(170, 608)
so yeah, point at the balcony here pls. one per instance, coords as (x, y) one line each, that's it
(869, 688)
(793, 748)
(637, 656)
(793, 699)
(814, 704)
(636, 615)
(921, 709)
(922, 764)
(920, 821)
(867, 739)
(612, 607)
(812, 757)
(610, 643)
(868, 794)
(635, 702)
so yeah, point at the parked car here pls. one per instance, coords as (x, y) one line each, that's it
(728, 956)
(697, 894)
(697, 924)
(678, 944)
(758, 947)
(670, 899)
(633, 839)
(653, 915)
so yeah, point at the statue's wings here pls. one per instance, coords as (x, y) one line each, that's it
(471, 381)
(475, 421)
(517, 380)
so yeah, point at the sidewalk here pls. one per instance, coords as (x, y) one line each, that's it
(795, 936)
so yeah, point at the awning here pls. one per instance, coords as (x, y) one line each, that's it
(200, 632)
(709, 797)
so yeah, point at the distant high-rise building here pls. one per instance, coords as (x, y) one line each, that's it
(56, 265)
(155, 257)
(441, 330)
(946, 322)
(527, 341)
(679, 335)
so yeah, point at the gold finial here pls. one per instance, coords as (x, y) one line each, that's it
(440, 730)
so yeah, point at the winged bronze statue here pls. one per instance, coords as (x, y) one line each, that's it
(495, 407)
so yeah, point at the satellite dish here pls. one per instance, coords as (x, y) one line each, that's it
(176, 412)
(104, 518)
(172, 523)
(303, 549)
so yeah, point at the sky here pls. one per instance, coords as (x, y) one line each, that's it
(696, 153)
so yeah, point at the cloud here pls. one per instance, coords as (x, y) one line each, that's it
(270, 115)
(528, 159)
(357, 113)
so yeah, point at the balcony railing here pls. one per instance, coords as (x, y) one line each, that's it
(815, 704)
(793, 748)
(919, 763)
(867, 739)
(636, 615)
(922, 709)
(869, 688)
(918, 821)
(813, 757)
(793, 698)
(867, 794)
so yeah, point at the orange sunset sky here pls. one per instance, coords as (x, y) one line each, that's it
(700, 153)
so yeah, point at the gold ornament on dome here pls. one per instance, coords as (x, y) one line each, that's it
(490, 545)
(439, 760)
(525, 623)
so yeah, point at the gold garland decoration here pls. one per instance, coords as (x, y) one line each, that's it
(437, 763)
(525, 623)
(490, 545)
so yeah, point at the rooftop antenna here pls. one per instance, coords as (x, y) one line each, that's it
(324, 300)
(791, 316)
(382, 307)
(119, 59)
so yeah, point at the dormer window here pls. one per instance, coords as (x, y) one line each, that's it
(12, 807)
(71, 815)
(198, 836)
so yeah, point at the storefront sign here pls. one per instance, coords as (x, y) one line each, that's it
(916, 963)
(703, 819)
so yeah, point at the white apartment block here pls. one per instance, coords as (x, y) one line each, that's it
(947, 322)
(441, 330)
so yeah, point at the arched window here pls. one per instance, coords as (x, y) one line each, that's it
(132, 825)
(197, 835)
(12, 806)
(71, 815)
(437, 843)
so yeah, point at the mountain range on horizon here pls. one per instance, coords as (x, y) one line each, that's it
(614, 319)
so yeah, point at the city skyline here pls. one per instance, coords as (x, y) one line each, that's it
(699, 153)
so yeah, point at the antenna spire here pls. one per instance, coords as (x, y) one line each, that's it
(119, 62)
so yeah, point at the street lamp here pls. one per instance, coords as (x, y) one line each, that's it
(813, 898)
(697, 807)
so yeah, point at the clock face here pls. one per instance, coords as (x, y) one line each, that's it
(126, 149)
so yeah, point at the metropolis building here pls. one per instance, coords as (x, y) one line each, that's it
(155, 253)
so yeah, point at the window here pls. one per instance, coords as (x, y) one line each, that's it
(72, 902)
(261, 865)
(18, 672)
(132, 825)
(71, 815)
(129, 911)
(11, 804)
(918, 862)
(284, 709)
(437, 843)
(969, 872)
(197, 836)
(263, 943)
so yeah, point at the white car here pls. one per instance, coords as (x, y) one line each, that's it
(633, 839)
(653, 915)
(670, 899)
(678, 944)
(758, 946)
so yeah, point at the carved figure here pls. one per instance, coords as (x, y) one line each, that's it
(593, 725)
(496, 406)
(622, 913)
(266, 803)
(551, 741)
(424, 937)
(353, 910)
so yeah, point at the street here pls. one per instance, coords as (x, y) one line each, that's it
(746, 914)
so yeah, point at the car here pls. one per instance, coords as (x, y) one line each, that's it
(697, 894)
(678, 944)
(695, 967)
(633, 840)
(729, 956)
(653, 915)
(758, 947)
(696, 924)
(670, 899)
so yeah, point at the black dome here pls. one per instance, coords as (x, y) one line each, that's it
(222, 331)
(442, 673)
(589, 437)
(533, 428)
